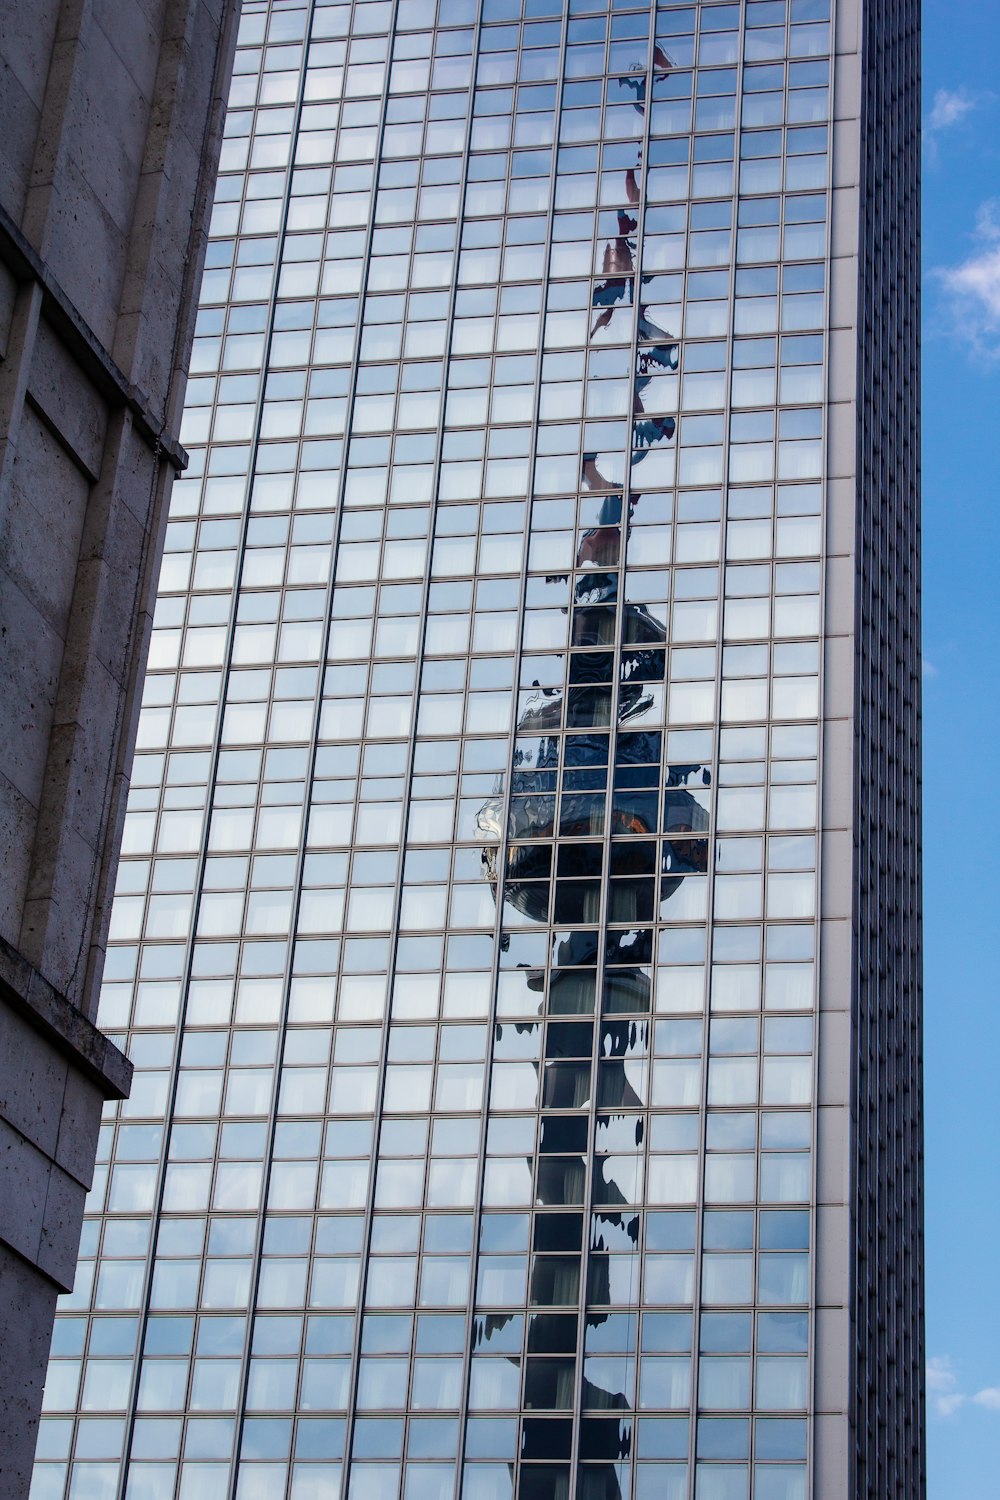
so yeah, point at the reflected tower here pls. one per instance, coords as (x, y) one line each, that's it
(523, 995)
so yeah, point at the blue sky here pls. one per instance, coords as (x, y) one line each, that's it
(961, 416)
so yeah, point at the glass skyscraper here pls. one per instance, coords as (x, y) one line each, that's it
(532, 705)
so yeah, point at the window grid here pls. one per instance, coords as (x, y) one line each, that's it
(166, 912)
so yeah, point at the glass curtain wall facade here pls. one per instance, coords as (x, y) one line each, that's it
(465, 936)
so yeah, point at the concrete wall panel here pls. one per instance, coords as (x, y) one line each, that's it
(112, 119)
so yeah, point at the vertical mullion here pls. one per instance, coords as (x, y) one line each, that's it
(616, 651)
(212, 781)
(369, 1211)
(308, 786)
(812, 1321)
(703, 1111)
(502, 847)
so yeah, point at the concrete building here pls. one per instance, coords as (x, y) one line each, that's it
(112, 116)
(517, 936)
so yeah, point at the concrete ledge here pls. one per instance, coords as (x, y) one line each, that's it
(24, 264)
(88, 1050)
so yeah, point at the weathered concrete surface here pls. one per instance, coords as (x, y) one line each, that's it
(112, 115)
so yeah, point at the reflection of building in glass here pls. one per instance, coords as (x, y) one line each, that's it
(481, 986)
(616, 656)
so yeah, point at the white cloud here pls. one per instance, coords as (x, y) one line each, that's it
(943, 1392)
(973, 285)
(942, 1383)
(940, 1373)
(950, 106)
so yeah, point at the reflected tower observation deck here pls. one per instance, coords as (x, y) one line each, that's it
(517, 936)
